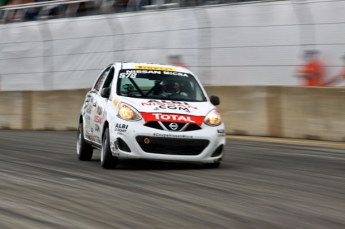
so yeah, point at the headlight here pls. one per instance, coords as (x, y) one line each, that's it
(128, 112)
(212, 118)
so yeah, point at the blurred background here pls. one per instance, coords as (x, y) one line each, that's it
(51, 45)
(252, 54)
(249, 53)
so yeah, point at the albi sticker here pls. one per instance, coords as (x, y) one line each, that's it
(120, 127)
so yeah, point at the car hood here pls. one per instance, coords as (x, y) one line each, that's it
(168, 106)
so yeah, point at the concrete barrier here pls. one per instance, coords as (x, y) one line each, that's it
(243, 109)
(289, 112)
(56, 110)
(41, 110)
(313, 113)
(11, 110)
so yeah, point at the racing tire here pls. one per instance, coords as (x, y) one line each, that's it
(108, 161)
(211, 165)
(84, 150)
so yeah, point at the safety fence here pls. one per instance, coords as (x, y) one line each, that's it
(244, 44)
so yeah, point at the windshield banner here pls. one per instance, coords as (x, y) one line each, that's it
(155, 68)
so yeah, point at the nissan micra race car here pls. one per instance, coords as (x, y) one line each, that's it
(150, 111)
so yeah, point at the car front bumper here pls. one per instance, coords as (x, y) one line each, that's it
(140, 142)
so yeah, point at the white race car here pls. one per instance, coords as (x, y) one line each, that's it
(150, 111)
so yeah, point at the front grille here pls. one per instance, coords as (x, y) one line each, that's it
(192, 127)
(154, 125)
(170, 146)
(180, 126)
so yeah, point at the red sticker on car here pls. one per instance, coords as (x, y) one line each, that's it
(98, 119)
(173, 118)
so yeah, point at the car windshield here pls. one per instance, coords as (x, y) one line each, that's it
(158, 84)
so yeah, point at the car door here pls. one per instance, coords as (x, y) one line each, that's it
(91, 109)
(100, 105)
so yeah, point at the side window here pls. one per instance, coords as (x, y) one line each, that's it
(101, 79)
(109, 79)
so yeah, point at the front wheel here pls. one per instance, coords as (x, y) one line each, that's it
(108, 161)
(84, 150)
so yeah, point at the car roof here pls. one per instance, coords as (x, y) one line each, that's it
(151, 66)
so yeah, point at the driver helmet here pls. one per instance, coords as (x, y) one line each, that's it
(171, 86)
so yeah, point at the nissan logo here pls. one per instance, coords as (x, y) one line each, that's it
(173, 126)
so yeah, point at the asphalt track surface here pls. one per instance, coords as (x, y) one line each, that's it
(259, 185)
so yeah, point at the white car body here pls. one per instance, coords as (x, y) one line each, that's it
(167, 130)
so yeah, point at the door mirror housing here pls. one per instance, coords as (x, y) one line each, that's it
(105, 92)
(214, 100)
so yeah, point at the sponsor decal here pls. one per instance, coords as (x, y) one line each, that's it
(120, 127)
(98, 119)
(88, 119)
(171, 135)
(175, 74)
(99, 110)
(116, 102)
(97, 139)
(97, 128)
(173, 105)
(173, 108)
(133, 73)
(89, 108)
(128, 74)
(221, 133)
(86, 129)
(87, 135)
(173, 118)
(155, 68)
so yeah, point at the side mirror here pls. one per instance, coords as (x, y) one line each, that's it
(214, 100)
(105, 92)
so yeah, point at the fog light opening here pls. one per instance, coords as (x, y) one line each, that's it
(218, 151)
(122, 145)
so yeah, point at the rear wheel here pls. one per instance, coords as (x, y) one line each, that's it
(84, 150)
(108, 161)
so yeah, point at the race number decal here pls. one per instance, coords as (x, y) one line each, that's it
(128, 74)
